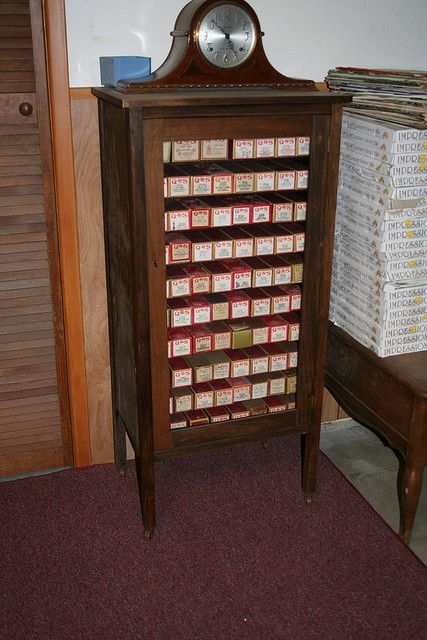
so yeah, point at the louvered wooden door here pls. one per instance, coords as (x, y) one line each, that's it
(34, 414)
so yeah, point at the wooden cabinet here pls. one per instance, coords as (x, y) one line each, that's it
(133, 129)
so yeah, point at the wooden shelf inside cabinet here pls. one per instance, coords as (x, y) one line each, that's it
(244, 253)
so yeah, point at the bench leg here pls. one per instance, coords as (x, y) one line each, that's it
(410, 481)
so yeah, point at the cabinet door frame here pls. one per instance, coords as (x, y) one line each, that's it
(55, 47)
(147, 130)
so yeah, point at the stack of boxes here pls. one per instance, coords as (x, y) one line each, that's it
(379, 282)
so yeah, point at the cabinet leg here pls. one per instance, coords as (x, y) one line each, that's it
(309, 458)
(119, 439)
(145, 474)
(410, 481)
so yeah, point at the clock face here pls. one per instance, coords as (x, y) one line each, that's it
(226, 35)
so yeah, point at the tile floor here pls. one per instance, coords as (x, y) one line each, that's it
(372, 468)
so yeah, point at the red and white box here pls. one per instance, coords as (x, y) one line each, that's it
(260, 209)
(221, 335)
(277, 357)
(263, 242)
(260, 331)
(276, 383)
(201, 339)
(260, 302)
(181, 373)
(222, 179)
(285, 147)
(201, 185)
(241, 389)
(282, 272)
(201, 247)
(220, 306)
(178, 183)
(238, 411)
(182, 399)
(280, 299)
(283, 239)
(292, 352)
(221, 213)
(200, 279)
(282, 209)
(217, 414)
(200, 213)
(258, 359)
(177, 281)
(265, 147)
(259, 386)
(297, 232)
(285, 179)
(239, 362)
(243, 242)
(262, 275)
(278, 328)
(196, 418)
(221, 277)
(239, 304)
(202, 368)
(201, 310)
(200, 181)
(241, 274)
(179, 343)
(185, 150)
(243, 148)
(222, 244)
(179, 247)
(180, 312)
(300, 211)
(203, 395)
(177, 216)
(292, 320)
(220, 365)
(214, 149)
(294, 292)
(301, 181)
(301, 173)
(264, 177)
(303, 146)
(299, 237)
(240, 209)
(300, 206)
(275, 404)
(244, 181)
(223, 392)
(178, 421)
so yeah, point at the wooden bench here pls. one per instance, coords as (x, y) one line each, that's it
(388, 395)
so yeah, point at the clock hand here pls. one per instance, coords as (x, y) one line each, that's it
(227, 35)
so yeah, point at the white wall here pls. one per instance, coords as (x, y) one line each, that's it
(302, 39)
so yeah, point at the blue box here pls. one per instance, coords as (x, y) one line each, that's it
(115, 68)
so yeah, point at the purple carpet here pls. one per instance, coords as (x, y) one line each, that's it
(236, 554)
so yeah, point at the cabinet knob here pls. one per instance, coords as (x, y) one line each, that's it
(25, 109)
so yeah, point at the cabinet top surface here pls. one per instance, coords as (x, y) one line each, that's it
(216, 97)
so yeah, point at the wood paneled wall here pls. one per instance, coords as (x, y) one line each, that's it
(91, 244)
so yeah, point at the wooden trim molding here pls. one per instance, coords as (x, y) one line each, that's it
(84, 93)
(62, 145)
